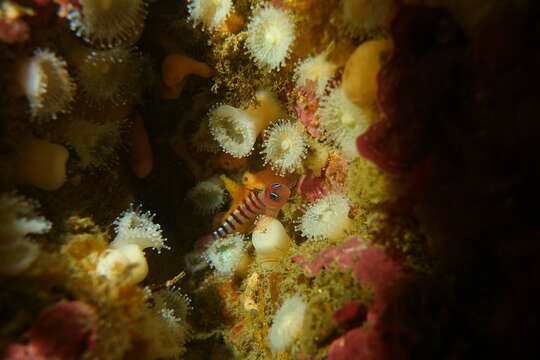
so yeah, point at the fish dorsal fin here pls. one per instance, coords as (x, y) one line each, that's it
(237, 191)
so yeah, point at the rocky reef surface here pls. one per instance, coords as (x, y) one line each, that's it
(268, 179)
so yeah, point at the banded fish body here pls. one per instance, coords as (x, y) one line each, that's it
(256, 202)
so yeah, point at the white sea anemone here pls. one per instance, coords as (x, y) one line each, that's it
(45, 81)
(287, 323)
(108, 23)
(270, 35)
(226, 253)
(96, 144)
(210, 13)
(327, 218)
(124, 261)
(284, 147)
(164, 327)
(236, 130)
(360, 16)
(233, 129)
(208, 196)
(174, 307)
(137, 227)
(172, 299)
(342, 121)
(110, 75)
(316, 70)
(270, 240)
(18, 219)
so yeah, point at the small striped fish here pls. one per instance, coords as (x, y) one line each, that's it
(258, 202)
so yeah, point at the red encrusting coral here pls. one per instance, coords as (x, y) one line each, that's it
(14, 31)
(352, 312)
(306, 108)
(65, 331)
(344, 256)
(418, 88)
(336, 172)
(370, 265)
(311, 187)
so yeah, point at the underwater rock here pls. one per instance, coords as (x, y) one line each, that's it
(352, 312)
(355, 344)
(418, 88)
(372, 268)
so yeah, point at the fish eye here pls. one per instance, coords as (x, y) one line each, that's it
(276, 186)
(274, 195)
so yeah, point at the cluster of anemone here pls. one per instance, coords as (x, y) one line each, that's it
(211, 14)
(327, 218)
(315, 72)
(342, 121)
(270, 36)
(108, 23)
(284, 146)
(18, 219)
(208, 196)
(359, 17)
(45, 81)
(110, 75)
(96, 144)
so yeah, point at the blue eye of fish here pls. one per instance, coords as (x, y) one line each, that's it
(274, 195)
(276, 186)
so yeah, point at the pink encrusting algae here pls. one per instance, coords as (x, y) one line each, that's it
(65, 331)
